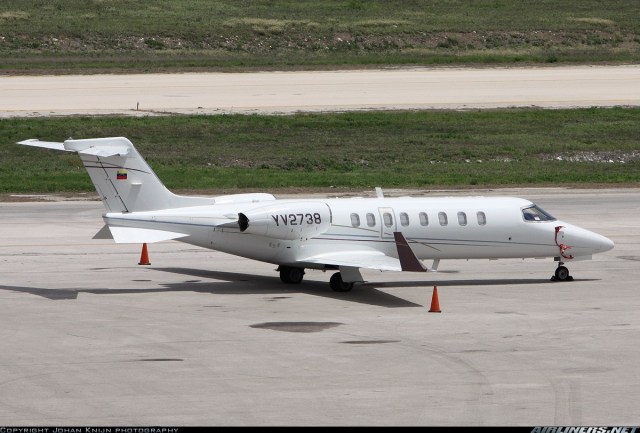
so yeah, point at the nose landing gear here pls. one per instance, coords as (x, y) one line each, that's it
(562, 273)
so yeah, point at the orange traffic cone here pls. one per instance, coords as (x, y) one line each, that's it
(144, 257)
(435, 305)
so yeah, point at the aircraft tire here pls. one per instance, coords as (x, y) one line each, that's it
(562, 274)
(291, 274)
(338, 285)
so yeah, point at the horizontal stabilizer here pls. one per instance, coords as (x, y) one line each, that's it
(103, 151)
(103, 147)
(132, 235)
(46, 144)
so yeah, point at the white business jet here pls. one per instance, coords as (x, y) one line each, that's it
(388, 234)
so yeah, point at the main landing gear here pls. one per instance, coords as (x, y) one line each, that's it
(562, 273)
(291, 274)
(338, 285)
(294, 275)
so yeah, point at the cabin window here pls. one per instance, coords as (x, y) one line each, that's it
(404, 219)
(388, 219)
(462, 218)
(371, 220)
(424, 219)
(442, 217)
(482, 218)
(534, 213)
(355, 220)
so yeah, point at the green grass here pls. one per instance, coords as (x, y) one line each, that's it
(355, 150)
(404, 149)
(141, 35)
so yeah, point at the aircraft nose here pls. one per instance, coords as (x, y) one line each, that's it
(584, 242)
(597, 243)
(606, 244)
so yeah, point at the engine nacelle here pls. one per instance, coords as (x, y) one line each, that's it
(287, 221)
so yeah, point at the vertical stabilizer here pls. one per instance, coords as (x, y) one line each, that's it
(123, 179)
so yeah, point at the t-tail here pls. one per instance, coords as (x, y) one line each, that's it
(122, 178)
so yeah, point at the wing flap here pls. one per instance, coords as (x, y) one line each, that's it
(373, 259)
(367, 259)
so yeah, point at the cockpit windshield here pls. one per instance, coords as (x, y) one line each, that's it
(535, 213)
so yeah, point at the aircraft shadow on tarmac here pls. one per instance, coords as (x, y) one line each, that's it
(369, 296)
(230, 283)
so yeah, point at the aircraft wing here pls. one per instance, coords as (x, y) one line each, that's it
(370, 258)
(367, 259)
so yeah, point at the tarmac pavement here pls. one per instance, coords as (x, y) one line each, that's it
(89, 337)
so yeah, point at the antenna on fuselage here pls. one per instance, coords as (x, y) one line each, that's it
(379, 192)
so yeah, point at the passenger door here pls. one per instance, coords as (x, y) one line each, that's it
(387, 222)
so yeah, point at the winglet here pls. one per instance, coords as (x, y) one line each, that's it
(408, 260)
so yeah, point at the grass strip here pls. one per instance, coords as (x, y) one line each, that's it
(354, 150)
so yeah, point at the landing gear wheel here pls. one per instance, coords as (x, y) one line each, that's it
(290, 274)
(562, 274)
(338, 285)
